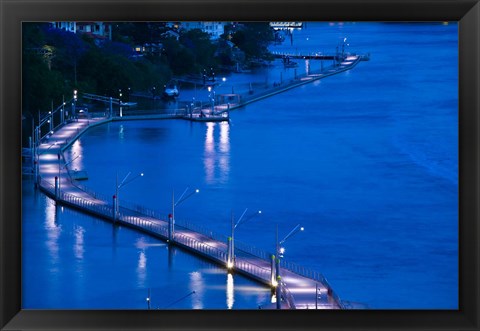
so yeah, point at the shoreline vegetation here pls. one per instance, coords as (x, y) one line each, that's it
(132, 57)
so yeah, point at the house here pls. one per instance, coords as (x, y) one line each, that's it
(148, 48)
(214, 29)
(97, 30)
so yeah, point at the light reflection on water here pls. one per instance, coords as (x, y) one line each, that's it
(217, 153)
(197, 284)
(79, 247)
(142, 269)
(53, 231)
(347, 155)
(230, 291)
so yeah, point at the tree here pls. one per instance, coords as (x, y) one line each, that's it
(180, 59)
(253, 39)
(198, 42)
(69, 48)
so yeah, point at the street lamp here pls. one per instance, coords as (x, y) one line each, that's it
(75, 96)
(60, 167)
(279, 251)
(116, 202)
(148, 300)
(120, 101)
(211, 95)
(171, 217)
(343, 47)
(231, 240)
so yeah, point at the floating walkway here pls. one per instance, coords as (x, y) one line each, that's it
(300, 288)
(234, 101)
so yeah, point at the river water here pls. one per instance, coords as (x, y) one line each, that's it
(366, 161)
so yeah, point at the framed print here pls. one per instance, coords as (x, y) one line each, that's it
(239, 165)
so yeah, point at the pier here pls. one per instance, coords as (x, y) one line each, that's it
(224, 103)
(293, 286)
(299, 288)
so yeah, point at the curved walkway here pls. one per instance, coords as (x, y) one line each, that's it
(298, 291)
(301, 288)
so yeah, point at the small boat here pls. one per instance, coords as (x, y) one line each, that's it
(171, 90)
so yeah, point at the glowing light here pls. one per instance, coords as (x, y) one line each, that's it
(282, 250)
(209, 159)
(78, 247)
(141, 268)
(53, 232)
(224, 137)
(229, 265)
(230, 292)
(197, 284)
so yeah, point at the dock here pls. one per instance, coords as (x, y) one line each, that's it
(300, 288)
(224, 103)
(295, 286)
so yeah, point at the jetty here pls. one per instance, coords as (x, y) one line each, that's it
(258, 91)
(223, 103)
(298, 287)
(293, 286)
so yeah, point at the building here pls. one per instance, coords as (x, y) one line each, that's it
(67, 26)
(98, 30)
(286, 25)
(214, 29)
(148, 48)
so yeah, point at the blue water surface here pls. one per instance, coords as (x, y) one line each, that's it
(366, 161)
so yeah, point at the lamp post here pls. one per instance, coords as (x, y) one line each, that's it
(120, 101)
(231, 240)
(116, 202)
(211, 95)
(279, 251)
(343, 47)
(148, 300)
(171, 217)
(60, 167)
(74, 103)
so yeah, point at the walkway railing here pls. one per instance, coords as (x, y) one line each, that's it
(241, 248)
(152, 221)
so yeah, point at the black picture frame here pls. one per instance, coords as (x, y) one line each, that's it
(14, 12)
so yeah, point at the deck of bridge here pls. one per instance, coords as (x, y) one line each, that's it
(299, 291)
